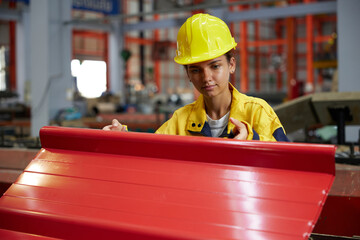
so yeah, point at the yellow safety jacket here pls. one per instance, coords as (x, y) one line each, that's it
(261, 121)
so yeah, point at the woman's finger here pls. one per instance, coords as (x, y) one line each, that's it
(107, 128)
(240, 129)
(115, 126)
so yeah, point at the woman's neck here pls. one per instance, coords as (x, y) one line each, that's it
(216, 107)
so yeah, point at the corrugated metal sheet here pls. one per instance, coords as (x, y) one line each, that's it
(94, 184)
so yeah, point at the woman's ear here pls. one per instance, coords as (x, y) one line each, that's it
(232, 65)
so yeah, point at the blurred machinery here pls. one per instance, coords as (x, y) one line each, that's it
(311, 113)
(14, 122)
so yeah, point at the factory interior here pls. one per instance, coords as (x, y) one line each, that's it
(81, 64)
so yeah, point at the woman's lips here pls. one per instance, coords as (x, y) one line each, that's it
(209, 88)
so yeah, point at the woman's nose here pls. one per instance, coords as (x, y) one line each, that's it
(207, 74)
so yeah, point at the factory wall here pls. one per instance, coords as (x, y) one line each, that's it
(50, 56)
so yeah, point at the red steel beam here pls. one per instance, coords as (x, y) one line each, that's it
(291, 63)
(232, 29)
(88, 34)
(282, 41)
(318, 27)
(143, 41)
(257, 57)
(309, 88)
(244, 84)
(280, 49)
(157, 67)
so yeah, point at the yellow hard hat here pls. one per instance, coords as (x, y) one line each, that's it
(203, 37)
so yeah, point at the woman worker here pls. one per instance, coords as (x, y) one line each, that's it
(206, 49)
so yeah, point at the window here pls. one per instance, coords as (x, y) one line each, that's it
(90, 77)
(3, 66)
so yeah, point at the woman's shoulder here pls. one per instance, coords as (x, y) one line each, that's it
(186, 108)
(257, 101)
(246, 99)
(255, 105)
(251, 100)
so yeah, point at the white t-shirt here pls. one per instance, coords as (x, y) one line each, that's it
(218, 126)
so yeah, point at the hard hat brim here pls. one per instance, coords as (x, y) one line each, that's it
(204, 57)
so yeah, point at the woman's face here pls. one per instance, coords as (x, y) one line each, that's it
(211, 77)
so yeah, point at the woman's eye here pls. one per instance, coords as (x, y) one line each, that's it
(216, 66)
(194, 70)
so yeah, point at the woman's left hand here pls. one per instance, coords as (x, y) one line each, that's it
(240, 130)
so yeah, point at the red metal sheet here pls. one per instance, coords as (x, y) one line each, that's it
(341, 212)
(13, 235)
(96, 184)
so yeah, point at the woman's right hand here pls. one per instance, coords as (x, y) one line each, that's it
(115, 126)
(240, 130)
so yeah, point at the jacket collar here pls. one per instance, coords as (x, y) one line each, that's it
(197, 118)
(237, 107)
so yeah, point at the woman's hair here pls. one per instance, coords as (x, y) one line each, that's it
(230, 54)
